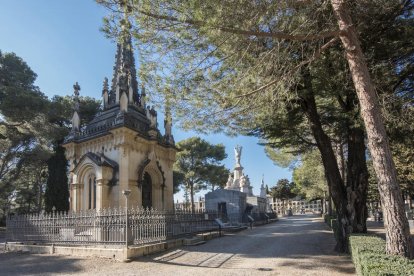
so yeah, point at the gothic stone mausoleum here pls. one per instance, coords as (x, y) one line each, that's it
(122, 147)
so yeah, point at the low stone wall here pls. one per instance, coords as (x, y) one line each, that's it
(110, 253)
(120, 254)
(134, 252)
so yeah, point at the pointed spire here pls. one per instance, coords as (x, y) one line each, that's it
(75, 117)
(124, 78)
(105, 93)
(105, 85)
(143, 95)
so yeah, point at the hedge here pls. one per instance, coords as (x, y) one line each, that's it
(368, 255)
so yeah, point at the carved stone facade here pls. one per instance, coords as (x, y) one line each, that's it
(121, 148)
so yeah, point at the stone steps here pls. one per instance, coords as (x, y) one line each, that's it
(196, 240)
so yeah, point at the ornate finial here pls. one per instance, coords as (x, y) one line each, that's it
(75, 117)
(76, 88)
(105, 93)
(143, 95)
(105, 85)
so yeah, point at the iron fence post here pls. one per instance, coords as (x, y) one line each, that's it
(126, 193)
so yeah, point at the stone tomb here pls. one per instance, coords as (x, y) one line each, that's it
(231, 204)
(236, 200)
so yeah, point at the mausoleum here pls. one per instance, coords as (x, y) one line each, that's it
(122, 147)
(237, 200)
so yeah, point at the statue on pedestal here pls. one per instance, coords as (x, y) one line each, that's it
(237, 153)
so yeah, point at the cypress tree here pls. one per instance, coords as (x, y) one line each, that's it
(57, 190)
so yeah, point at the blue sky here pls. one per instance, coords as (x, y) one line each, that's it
(60, 40)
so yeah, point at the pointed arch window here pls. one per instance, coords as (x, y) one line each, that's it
(92, 192)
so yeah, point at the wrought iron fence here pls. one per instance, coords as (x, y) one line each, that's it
(108, 226)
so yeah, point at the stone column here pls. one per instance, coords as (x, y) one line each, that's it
(100, 194)
(74, 196)
(134, 199)
(123, 173)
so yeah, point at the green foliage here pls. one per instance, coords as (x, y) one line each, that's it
(283, 190)
(25, 133)
(373, 193)
(198, 165)
(60, 111)
(29, 124)
(282, 157)
(368, 255)
(309, 176)
(178, 179)
(401, 131)
(57, 190)
(17, 89)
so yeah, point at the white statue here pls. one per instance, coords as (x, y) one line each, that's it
(229, 181)
(237, 153)
(243, 181)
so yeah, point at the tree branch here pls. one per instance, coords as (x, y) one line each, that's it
(317, 54)
(276, 35)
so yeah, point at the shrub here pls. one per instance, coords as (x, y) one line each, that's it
(368, 255)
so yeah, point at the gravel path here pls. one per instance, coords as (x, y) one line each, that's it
(299, 245)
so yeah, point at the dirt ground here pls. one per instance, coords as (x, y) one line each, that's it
(299, 245)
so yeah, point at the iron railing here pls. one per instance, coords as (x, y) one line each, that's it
(108, 226)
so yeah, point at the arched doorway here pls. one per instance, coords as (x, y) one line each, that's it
(147, 191)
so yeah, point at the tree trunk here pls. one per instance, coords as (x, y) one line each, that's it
(329, 203)
(192, 197)
(398, 240)
(339, 152)
(357, 180)
(323, 201)
(330, 164)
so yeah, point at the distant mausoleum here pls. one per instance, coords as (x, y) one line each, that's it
(122, 147)
(237, 199)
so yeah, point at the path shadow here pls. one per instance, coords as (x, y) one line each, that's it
(303, 242)
(19, 263)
